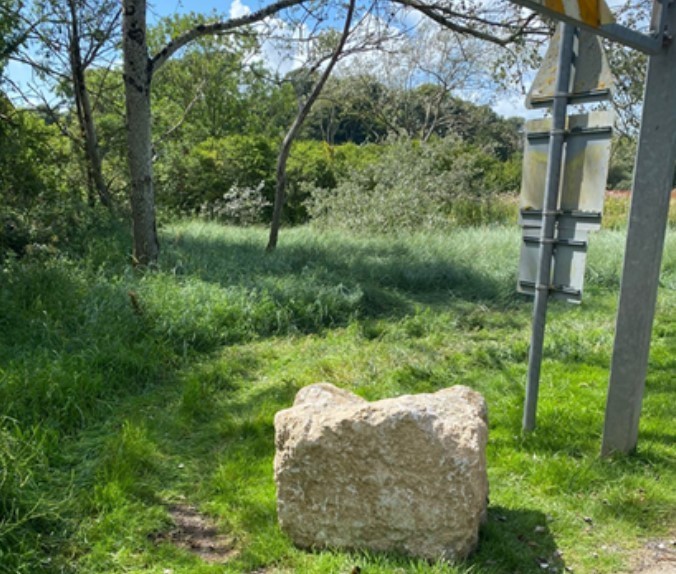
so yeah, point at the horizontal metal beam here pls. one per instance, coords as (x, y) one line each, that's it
(614, 32)
(588, 132)
(588, 97)
(642, 42)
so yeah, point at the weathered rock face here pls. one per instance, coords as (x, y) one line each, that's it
(405, 474)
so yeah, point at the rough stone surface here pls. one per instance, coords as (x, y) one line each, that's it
(406, 474)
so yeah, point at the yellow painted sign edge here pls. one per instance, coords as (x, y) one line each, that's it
(594, 13)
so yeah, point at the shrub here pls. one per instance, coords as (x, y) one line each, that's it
(413, 185)
(316, 164)
(621, 168)
(239, 205)
(310, 163)
(232, 179)
(41, 204)
(189, 178)
(399, 192)
(616, 210)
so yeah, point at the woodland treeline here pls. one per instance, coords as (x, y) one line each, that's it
(381, 126)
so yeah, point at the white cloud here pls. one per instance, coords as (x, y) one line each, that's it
(514, 105)
(239, 9)
(280, 49)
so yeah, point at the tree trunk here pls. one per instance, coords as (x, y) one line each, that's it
(137, 76)
(92, 152)
(280, 185)
(280, 191)
(84, 112)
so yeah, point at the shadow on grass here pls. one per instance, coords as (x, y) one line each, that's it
(381, 270)
(228, 466)
(664, 436)
(517, 541)
(509, 541)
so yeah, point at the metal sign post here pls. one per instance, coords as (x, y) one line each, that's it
(554, 163)
(563, 184)
(653, 181)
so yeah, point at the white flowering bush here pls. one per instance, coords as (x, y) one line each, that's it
(238, 205)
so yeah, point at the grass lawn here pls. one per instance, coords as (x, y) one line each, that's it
(128, 399)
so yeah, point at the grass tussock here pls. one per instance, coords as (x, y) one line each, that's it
(124, 394)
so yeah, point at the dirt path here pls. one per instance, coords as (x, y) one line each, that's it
(198, 534)
(657, 557)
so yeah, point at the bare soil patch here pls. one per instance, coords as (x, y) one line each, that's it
(656, 557)
(197, 533)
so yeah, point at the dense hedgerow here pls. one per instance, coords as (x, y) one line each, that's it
(397, 184)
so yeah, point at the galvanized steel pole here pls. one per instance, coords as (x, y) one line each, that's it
(653, 180)
(549, 212)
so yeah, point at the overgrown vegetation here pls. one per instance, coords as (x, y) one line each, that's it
(128, 393)
(125, 393)
(228, 173)
(413, 186)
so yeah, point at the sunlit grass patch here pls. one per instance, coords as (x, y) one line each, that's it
(125, 394)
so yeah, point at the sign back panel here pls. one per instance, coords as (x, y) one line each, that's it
(593, 79)
(587, 157)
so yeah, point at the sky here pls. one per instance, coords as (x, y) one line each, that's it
(160, 8)
(505, 105)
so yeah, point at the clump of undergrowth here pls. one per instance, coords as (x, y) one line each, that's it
(438, 184)
(30, 513)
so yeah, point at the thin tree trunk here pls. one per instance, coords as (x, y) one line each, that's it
(92, 148)
(280, 191)
(91, 188)
(137, 76)
(84, 111)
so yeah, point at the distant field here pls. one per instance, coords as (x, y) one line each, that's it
(503, 209)
(616, 209)
(132, 403)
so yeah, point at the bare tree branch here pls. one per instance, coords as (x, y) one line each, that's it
(96, 47)
(181, 41)
(446, 17)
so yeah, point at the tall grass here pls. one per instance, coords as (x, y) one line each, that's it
(616, 210)
(121, 392)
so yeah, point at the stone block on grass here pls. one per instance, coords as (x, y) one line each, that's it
(405, 475)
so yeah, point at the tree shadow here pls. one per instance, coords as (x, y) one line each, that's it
(390, 276)
(227, 450)
(517, 540)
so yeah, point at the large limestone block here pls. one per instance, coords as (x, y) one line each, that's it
(406, 474)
